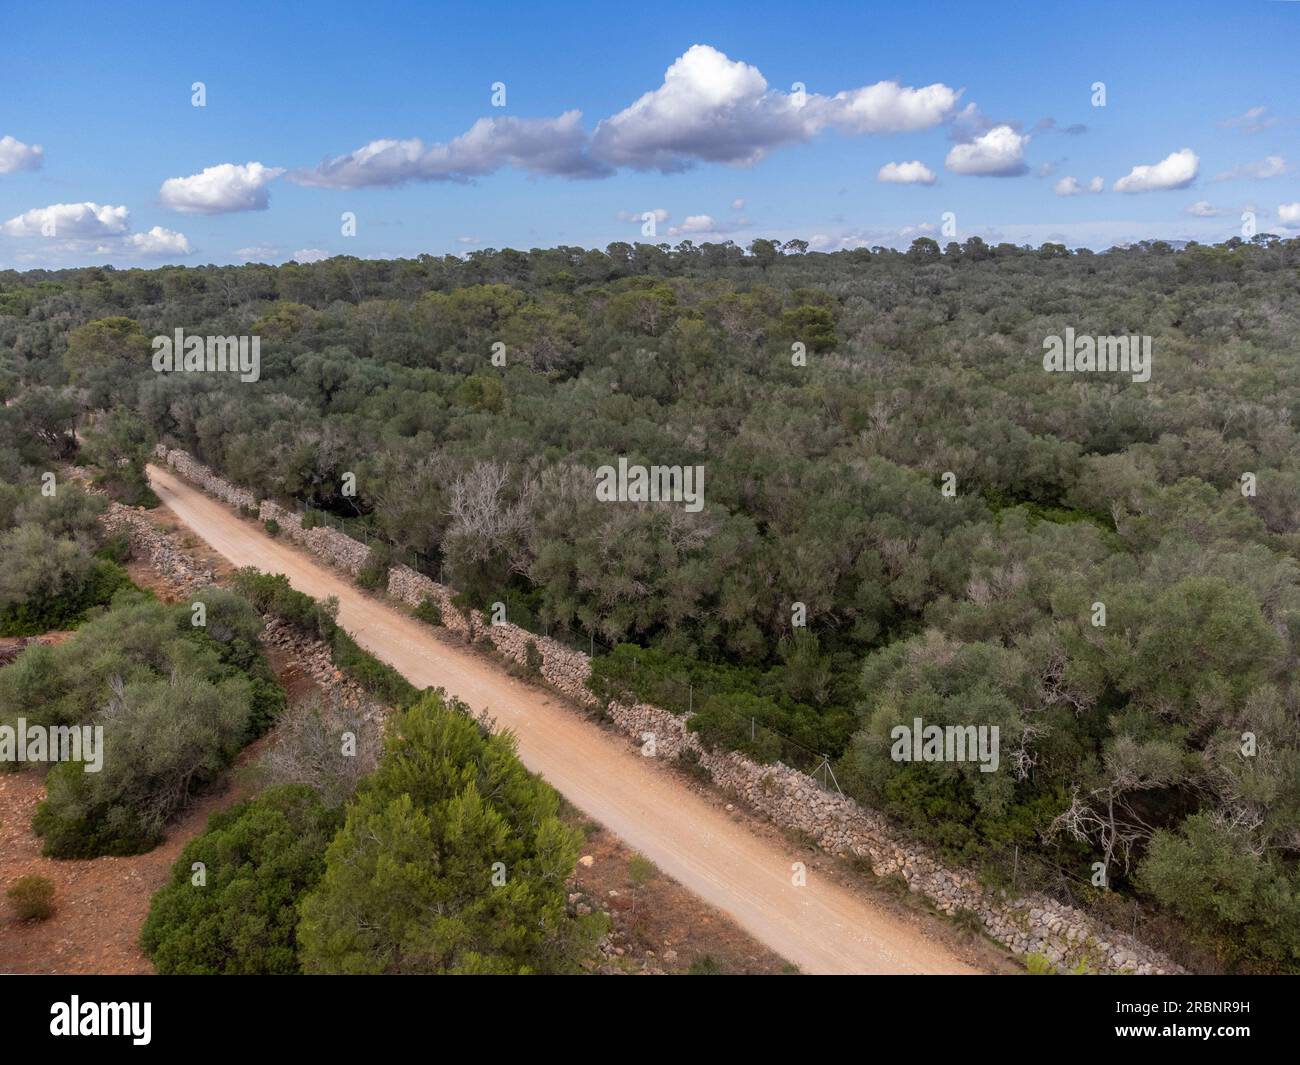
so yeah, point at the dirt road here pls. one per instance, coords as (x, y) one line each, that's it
(821, 927)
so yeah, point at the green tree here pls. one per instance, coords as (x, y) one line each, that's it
(120, 445)
(105, 343)
(1248, 901)
(452, 860)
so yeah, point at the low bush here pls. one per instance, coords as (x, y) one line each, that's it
(429, 611)
(378, 678)
(32, 898)
(254, 862)
(48, 582)
(272, 594)
(373, 574)
(533, 659)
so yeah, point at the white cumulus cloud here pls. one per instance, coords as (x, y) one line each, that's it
(1204, 209)
(72, 221)
(711, 108)
(696, 223)
(159, 241)
(15, 155)
(1175, 171)
(310, 255)
(1070, 186)
(1289, 213)
(258, 253)
(705, 225)
(80, 229)
(998, 153)
(220, 189)
(913, 173)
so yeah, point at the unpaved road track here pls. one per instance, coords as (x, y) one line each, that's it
(821, 927)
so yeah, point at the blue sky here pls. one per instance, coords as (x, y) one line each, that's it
(993, 101)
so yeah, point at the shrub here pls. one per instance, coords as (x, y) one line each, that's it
(641, 870)
(164, 740)
(429, 611)
(533, 659)
(736, 722)
(373, 574)
(272, 526)
(232, 629)
(378, 678)
(32, 898)
(116, 548)
(175, 703)
(258, 858)
(50, 583)
(308, 749)
(725, 698)
(464, 602)
(271, 593)
(1245, 906)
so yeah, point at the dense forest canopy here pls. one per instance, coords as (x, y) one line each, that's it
(831, 399)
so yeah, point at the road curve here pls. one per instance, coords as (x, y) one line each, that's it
(821, 927)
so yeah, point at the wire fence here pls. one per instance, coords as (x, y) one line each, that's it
(684, 695)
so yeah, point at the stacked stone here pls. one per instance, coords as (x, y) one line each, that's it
(314, 658)
(331, 546)
(194, 471)
(183, 573)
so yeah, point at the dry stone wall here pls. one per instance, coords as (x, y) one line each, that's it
(334, 547)
(1026, 924)
(194, 471)
(316, 660)
(330, 545)
(563, 668)
(181, 571)
(182, 574)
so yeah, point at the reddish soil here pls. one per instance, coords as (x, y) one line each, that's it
(99, 903)
(657, 925)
